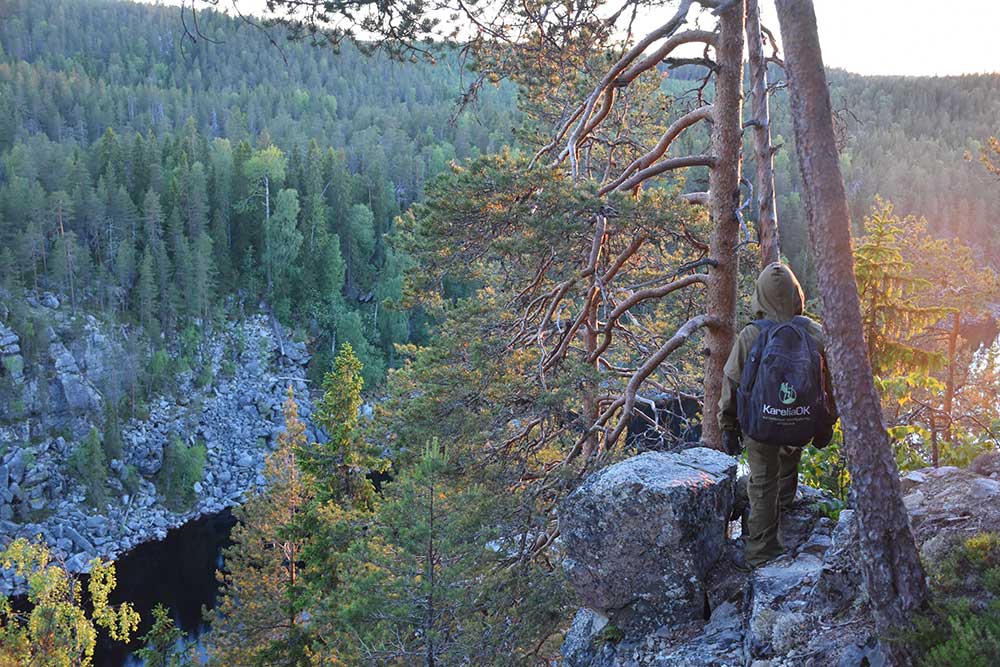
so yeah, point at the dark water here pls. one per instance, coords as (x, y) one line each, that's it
(178, 572)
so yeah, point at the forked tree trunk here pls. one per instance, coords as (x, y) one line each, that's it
(724, 196)
(891, 566)
(767, 223)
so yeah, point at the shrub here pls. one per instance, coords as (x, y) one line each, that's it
(190, 341)
(966, 638)
(205, 377)
(112, 439)
(91, 468)
(963, 450)
(159, 370)
(826, 468)
(964, 629)
(182, 467)
(131, 480)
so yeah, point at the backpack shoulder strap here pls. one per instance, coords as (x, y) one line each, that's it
(804, 324)
(763, 325)
(749, 373)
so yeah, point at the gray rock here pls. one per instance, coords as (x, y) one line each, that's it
(583, 645)
(772, 586)
(296, 352)
(643, 533)
(79, 563)
(15, 466)
(869, 654)
(984, 488)
(49, 300)
(911, 480)
(79, 540)
(63, 361)
(718, 644)
(97, 525)
(987, 464)
(8, 338)
(913, 500)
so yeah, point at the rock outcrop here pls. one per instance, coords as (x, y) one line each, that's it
(641, 535)
(48, 408)
(805, 609)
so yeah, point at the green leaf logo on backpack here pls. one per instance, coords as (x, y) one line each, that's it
(788, 394)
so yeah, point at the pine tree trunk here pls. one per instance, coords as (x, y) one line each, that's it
(890, 563)
(724, 196)
(767, 219)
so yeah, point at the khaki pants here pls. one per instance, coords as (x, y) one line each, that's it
(774, 477)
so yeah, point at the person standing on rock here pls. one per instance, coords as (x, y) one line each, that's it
(776, 398)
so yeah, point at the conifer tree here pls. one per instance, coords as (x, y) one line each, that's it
(203, 276)
(343, 498)
(411, 579)
(888, 289)
(146, 289)
(260, 617)
(160, 644)
(282, 241)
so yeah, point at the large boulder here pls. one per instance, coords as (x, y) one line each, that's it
(641, 535)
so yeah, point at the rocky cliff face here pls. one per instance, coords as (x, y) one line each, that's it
(806, 609)
(47, 407)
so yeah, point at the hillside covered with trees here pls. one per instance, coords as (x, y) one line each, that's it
(152, 179)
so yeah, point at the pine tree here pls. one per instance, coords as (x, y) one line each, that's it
(159, 645)
(180, 259)
(260, 618)
(161, 275)
(195, 200)
(110, 161)
(411, 580)
(67, 255)
(358, 243)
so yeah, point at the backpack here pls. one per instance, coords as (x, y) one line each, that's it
(781, 397)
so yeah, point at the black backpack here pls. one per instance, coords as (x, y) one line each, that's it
(781, 397)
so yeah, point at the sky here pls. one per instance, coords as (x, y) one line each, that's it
(897, 37)
(906, 37)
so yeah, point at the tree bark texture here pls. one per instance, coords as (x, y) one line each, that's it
(890, 564)
(724, 198)
(767, 222)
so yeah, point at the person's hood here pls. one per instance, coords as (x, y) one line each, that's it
(778, 295)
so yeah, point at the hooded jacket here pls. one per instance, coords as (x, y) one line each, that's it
(778, 297)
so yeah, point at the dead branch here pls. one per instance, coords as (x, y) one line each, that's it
(661, 147)
(668, 165)
(664, 31)
(635, 299)
(655, 58)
